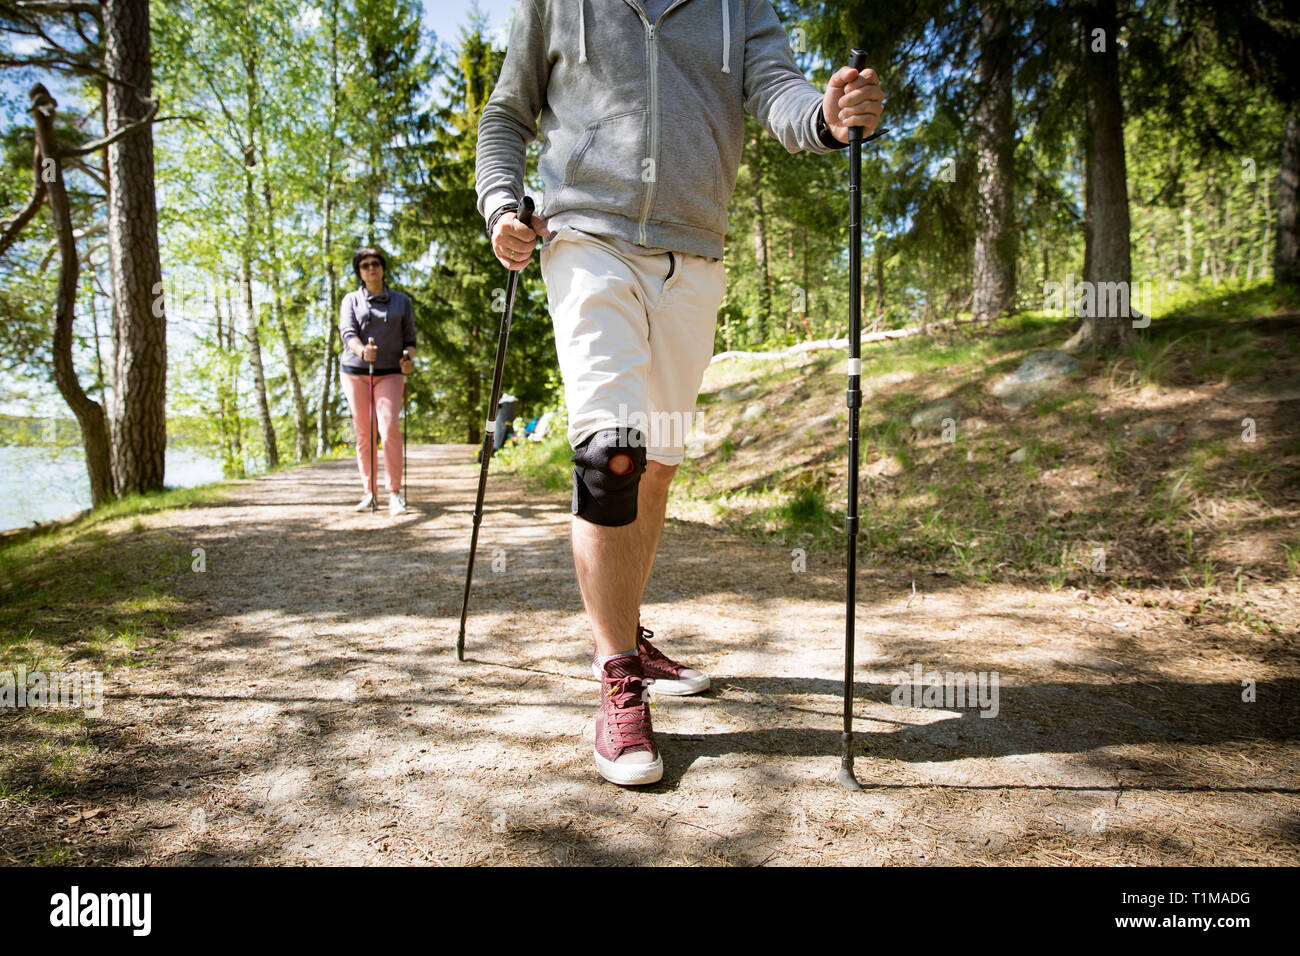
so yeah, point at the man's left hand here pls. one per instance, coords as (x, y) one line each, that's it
(852, 99)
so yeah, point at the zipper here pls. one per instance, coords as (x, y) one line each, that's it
(652, 57)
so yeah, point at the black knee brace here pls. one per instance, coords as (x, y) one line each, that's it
(607, 469)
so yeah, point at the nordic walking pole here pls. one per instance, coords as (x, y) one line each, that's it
(525, 215)
(374, 433)
(853, 399)
(405, 354)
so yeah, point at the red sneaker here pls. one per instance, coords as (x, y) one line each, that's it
(625, 742)
(667, 676)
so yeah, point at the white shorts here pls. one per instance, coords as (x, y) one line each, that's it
(633, 341)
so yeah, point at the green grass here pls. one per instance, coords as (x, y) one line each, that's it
(544, 465)
(962, 505)
(96, 594)
(101, 587)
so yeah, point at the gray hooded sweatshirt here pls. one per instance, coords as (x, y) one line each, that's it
(643, 120)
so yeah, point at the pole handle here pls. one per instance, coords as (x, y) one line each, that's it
(857, 60)
(525, 214)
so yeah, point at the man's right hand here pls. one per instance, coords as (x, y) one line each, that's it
(513, 242)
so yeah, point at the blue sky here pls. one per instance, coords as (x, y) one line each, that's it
(443, 17)
(446, 17)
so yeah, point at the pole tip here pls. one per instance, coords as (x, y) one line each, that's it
(846, 779)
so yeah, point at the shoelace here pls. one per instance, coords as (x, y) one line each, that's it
(654, 655)
(623, 719)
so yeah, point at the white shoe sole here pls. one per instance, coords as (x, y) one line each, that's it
(673, 688)
(629, 775)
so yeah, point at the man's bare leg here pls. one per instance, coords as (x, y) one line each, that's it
(651, 505)
(608, 562)
(613, 564)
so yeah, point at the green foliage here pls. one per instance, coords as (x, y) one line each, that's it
(545, 464)
(352, 125)
(458, 284)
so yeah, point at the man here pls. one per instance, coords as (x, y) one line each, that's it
(641, 105)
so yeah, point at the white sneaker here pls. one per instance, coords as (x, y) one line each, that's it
(396, 503)
(365, 502)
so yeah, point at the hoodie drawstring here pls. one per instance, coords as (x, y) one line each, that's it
(582, 31)
(726, 36)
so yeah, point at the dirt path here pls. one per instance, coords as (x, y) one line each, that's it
(310, 708)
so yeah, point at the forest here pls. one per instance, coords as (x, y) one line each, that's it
(184, 184)
(1061, 490)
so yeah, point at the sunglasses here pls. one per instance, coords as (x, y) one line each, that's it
(372, 263)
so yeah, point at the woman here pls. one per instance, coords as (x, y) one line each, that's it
(378, 328)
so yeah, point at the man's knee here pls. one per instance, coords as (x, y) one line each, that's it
(607, 469)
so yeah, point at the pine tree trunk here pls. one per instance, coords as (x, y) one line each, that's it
(1106, 241)
(139, 326)
(328, 359)
(259, 374)
(1286, 254)
(995, 233)
(327, 248)
(760, 241)
(233, 353)
(302, 428)
(89, 413)
(879, 268)
(253, 334)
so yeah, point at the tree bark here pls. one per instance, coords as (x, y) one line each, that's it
(139, 324)
(89, 413)
(250, 229)
(328, 358)
(259, 374)
(995, 233)
(302, 428)
(760, 241)
(327, 249)
(1107, 263)
(878, 262)
(232, 354)
(1286, 253)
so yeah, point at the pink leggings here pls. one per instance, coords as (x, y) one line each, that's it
(388, 402)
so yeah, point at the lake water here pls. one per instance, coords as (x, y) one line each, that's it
(48, 483)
